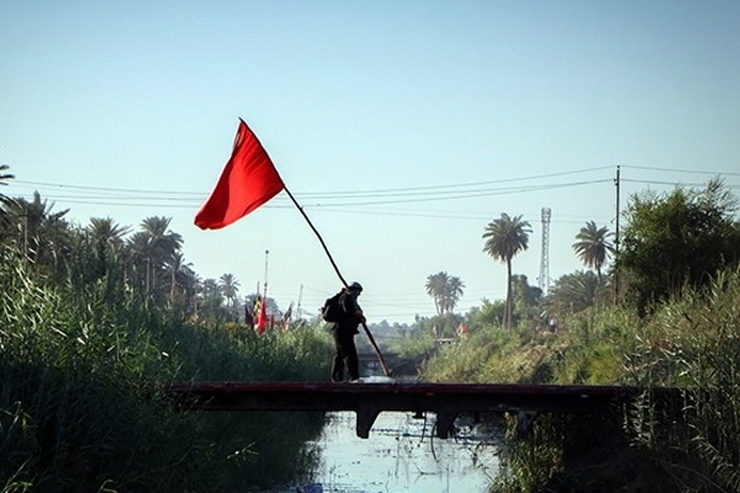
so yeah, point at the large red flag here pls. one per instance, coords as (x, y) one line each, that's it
(248, 181)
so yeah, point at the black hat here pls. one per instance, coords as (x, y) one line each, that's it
(355, 286)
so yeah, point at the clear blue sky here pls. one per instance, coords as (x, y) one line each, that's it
(403, 127)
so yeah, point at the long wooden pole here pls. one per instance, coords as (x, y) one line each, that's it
(341, 278)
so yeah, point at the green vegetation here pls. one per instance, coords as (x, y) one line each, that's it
(81, 401)
(678, 325)
(93, 323)
(690, 341)
(677, 240)
(95, 319)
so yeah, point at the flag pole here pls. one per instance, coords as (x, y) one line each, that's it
(339, 274)
(264, 296)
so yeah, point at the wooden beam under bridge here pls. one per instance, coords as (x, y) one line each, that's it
(446, 400)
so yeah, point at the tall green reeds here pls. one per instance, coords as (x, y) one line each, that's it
(691, 342)
(82, 369)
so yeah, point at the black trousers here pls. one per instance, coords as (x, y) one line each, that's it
(345, 355)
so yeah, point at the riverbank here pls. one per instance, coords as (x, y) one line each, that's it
(691, 342)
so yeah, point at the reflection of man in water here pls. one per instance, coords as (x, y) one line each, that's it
(344, 331)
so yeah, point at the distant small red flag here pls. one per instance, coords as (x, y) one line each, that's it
(248, 180)
(262, 318)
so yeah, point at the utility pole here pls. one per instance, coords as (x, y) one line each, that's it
(616, 242)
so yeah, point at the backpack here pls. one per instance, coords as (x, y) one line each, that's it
(332, 310)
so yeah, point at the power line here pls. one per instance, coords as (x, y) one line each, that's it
(690, 171)
(383, 198)
(405, 191)
(676, 183)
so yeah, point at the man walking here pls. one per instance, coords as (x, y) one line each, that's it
(344, 330)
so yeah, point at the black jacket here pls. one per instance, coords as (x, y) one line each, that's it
(348, 320)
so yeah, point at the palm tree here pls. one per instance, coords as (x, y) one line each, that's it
(161, 246)
(44, 235)
(574, 292)
(5, 201)
(446, 291)
(179, 273)
(505, 238)
(452, 293)
(593, 247)
(229, 287)
(212, 297)
(106, 238)
(435, 287)
(137, 249)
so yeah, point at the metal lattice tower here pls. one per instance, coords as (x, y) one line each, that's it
(545, 257)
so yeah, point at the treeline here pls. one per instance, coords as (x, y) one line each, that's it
(667, 313)
(149, 260)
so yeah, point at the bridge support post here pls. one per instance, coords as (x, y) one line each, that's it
(524, 421)
(365, 417)
(445, 420)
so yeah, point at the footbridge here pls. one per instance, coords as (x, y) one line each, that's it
(445, 400)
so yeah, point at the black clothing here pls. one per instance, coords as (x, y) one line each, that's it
(345, 355)
(344, 343)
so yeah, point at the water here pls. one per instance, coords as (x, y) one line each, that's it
(402, 454)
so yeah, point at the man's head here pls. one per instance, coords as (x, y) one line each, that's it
(355, 288)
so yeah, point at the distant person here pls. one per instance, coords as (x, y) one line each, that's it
(344, 327)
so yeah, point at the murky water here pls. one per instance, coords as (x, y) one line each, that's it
(403, 455)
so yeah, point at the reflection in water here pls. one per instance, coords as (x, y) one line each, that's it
(403, 455)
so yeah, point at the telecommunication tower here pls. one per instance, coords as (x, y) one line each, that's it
(545, 256)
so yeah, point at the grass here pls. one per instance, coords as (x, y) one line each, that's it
(691, 341)
(81, 400)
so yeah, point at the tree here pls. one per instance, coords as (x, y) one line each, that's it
(453, 291)
(106, 238)
(211, 299)
(505, 238)
(5, 201)
(676, 240)
(525, 299)
(593, 246)
(435, 287)
(162, 244)
(181, 275)
(446, 291)
(42, 235)
(229, 288)
(573, 293)
(491, 313)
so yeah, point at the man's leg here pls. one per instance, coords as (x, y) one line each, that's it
(337, 363)
(350, 357)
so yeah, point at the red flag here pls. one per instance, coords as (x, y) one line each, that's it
(262, 319)
(248, 181)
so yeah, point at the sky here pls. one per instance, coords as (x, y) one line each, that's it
(401, 127)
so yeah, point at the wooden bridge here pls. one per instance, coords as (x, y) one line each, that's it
(445, 400)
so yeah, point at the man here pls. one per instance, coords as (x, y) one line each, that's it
(344, 330)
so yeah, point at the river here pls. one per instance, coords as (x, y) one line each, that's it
(402, 454)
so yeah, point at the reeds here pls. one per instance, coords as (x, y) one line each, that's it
(691, 341)
(82, 408)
